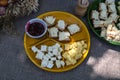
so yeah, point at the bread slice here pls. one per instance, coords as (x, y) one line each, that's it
(64, 36)
(98, 24)
(109, 1)
(114, 17)
(102, 6)
(73, 28)
(53, 32)
(112, 8)
(50, 20)
(61, 25)
(103, 15)
(95, 15)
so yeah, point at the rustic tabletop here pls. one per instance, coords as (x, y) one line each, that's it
(102, 62)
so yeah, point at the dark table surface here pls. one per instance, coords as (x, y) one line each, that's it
(102, 62)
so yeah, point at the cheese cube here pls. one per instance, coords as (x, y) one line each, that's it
(47, 55)
(44, 63)
(65, 55)
(57, 45)
(68, 62)
(50, 49)
(39, 55)
(53, 59)
(83, 52)
(73, 28)
(68, 46)
(78, 56)
(34, 49)
(50, 64)
(58, 63)
(62, 63)
(54, 47)
(55, 51)
(45, 58)
(72, 52)
(60, 49)
(43, 48)
(51, 54)
(59, 57)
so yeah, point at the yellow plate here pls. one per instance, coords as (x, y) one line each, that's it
(69, 19)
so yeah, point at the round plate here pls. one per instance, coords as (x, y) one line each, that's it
(94, 6)
(69, 19)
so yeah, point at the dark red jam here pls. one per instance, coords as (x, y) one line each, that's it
(36, 29)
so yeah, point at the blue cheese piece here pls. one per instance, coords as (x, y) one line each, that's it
(39, 55)
(34, 49)
(44, 48)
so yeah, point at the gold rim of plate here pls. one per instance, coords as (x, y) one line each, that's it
(69, 19)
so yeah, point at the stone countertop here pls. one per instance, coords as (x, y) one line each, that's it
(102, 62)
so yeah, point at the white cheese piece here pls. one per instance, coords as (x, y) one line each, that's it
(50, 64)
(59, 57)
(58, 63)
(50, 53)
(45, 58)
(39, 55)
(60, 50)
(73, 28)
(61, 24)
(53, 32)
(34, 49)
(55, 51)
(57, 45)
(50, 49)
(53, 59)
(43, 48)
(44, 63)
(62, 63)
(47, 55)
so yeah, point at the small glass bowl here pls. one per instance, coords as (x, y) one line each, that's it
(32, 21)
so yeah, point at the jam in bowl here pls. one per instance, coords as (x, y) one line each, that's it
(36, 28)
